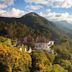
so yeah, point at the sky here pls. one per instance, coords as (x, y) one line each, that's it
(57, 10)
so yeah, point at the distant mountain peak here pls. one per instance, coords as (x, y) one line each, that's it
(31, 14)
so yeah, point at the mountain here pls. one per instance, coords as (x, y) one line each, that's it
(65, 26)
(31, 25)
(33, 28)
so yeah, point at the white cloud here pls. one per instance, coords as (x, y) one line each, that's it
(37, 1)
(63, 3)
(34, 7)
(5, 3)
(57, 16)
(12, 13)
(53, 3)
(3, 6)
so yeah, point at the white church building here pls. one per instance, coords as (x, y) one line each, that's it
(45, 46)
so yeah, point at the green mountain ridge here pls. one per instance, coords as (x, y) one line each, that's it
(32, 24)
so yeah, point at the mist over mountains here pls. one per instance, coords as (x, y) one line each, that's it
(65, 24)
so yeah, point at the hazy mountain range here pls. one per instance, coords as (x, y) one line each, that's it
(64, 24)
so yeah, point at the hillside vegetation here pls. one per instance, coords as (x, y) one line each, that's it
(16, 33)
(31, 25)
(14, 60)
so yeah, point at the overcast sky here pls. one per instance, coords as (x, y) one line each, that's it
(51, 9)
